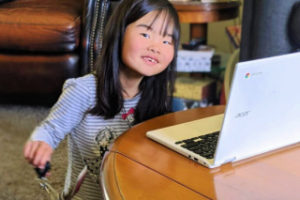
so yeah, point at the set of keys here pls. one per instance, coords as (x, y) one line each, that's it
(52, 193)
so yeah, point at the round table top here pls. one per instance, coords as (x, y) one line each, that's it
(138, 168)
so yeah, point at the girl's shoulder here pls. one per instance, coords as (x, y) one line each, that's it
(83, 88)
(87, 81)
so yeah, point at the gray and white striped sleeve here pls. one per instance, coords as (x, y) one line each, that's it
(68, 111)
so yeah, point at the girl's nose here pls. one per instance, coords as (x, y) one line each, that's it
(153, 49)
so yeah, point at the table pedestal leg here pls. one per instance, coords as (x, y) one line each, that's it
(198, 31)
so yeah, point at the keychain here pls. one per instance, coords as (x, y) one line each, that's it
(52, 193)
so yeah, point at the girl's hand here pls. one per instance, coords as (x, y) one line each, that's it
(37, 153)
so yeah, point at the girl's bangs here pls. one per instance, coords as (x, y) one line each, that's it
(168, 19)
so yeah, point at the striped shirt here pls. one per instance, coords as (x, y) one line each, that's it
(88, 135)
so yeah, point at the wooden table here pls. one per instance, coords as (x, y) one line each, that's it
(199, 14)
(139, 168)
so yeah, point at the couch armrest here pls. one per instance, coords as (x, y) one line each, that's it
(95, 13)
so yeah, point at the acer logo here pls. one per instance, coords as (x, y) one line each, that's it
(242, 114)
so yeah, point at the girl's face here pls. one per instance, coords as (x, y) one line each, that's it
(148, 46)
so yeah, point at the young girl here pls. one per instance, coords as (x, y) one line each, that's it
(134, 82)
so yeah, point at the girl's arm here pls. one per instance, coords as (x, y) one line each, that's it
(69, 110)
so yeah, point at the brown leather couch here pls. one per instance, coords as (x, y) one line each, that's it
(44, 42)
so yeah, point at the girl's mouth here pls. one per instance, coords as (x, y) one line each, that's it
(149, 59)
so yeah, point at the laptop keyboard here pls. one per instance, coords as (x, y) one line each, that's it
(204, 145)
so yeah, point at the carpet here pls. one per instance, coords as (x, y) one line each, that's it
(17, 177)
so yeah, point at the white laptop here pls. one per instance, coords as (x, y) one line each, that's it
(262, 114)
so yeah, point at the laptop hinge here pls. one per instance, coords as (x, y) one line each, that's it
(230, 160)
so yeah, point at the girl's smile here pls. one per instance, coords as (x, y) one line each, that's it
(150, 60)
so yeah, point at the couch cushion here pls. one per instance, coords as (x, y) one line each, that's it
(40, 25)
(36, 74)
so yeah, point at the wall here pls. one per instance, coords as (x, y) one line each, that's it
(217, 36)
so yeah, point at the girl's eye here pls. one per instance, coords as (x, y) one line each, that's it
(167, 42)
(145, 35)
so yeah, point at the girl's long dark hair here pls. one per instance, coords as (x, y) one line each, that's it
(156, 91)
